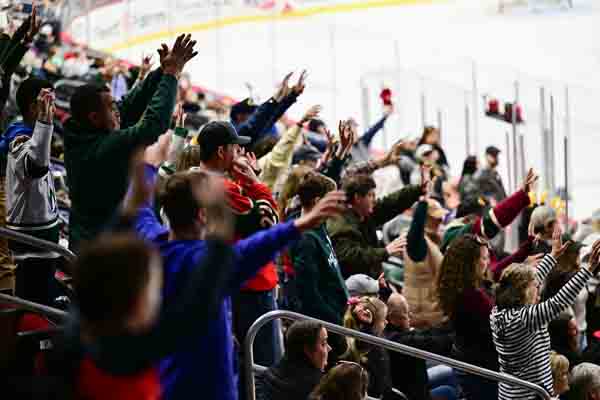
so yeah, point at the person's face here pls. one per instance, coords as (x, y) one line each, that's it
(433, 137)
(318, 355)
(492, 160)
(147, 307)
(547, 235)
(561, 382)
(364, 205)
(107, 118)
(228, 154)
(484, 260)
(401, 318)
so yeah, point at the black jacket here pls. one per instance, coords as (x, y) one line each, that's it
(288, 380)
(409, 374)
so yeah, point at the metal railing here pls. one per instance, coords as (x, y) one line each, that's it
(38, 308)
(249, 366)
(37, 243)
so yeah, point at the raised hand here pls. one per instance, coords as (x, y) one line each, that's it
(426, 181)
(298, 88)
(179, 116)
(311, 113)
(397, 247)
(46, 106)
(145, 66)
(253, 162)
(243, 170)
(172, 61)
(283, 89)
(594, 260)
(530, 179)
(534, 260)
(332, 204)
(393, 156)
(157, 153)
(558, 248)
(34, 26)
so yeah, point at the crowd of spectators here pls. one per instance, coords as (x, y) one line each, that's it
(191, 219)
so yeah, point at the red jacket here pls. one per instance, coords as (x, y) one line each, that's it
(256, 209)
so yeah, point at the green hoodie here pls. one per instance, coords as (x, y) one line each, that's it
(97, 161)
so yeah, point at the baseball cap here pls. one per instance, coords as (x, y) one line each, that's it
(306, 152)
(492, 151)
(314, 124)
(245, 106)
(435, 210)
(219, 133)
(542, 216)
(362, 285)
(472, 205)
(423, 150)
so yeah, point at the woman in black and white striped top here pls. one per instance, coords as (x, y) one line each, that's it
(520, 325)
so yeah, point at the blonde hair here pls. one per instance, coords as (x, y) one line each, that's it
(290, 188)
(560, 367)
(512, 288)
(377, 309)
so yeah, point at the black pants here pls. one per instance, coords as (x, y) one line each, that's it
(35, 280)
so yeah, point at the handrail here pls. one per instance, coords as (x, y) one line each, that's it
(387, 344)
(38, 308)
(37, 243)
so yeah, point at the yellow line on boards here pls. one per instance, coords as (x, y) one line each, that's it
(243, 19)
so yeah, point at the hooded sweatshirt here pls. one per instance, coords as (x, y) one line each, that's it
(207, 368)
(31, 206)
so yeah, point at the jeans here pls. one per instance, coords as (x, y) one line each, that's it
(476, 388)
(442, 382)
(35, 280)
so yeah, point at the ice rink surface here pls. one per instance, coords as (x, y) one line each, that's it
(431, 49)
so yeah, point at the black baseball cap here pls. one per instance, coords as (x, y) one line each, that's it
(492, 151)
(245, 106)
(306, 152)
(314, 124)
(220, 133)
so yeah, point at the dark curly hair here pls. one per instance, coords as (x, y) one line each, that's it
(357, 185)
(459, 271)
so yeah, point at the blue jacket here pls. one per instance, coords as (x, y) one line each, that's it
(207, 369)
(14, 130)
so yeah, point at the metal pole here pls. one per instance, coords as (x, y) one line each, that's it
(333, 71)
(398, 89)
(544, 133)
(37, 243)
(523, 163)
(467, 130)
(566, 140)
(376, 341)
(440, 124)
(38, 308)
(568, 162)
(551, 152)
(366, 102)
(423, 104)
(508, 162)
(515, 139)
(475, 108)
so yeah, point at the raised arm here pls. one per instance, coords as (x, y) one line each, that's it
(417, 245)
(370, 133)
(396, 203)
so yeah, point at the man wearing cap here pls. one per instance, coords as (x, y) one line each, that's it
(488, 178)
(360, 285)
(255, 208)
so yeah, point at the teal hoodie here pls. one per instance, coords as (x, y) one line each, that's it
(97, 161)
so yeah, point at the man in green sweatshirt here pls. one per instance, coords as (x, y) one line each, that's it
(101, 137)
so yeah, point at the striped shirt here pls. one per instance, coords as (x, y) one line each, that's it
(521, 334)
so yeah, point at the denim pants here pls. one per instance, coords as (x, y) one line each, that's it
(442, 382)
(477, 388)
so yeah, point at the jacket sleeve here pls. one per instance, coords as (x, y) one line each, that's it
(539, 315)
(37, 160)
(280, 157)
(502, 215)
(258, 121)
(280, 109)
(417, 245)
(258, 249)
(333, 169)
(253, 205)
(201, 297)
(146, 223)
(155, 121)
(394, 204)
(354, 256)
(15, 54)
(306, 265)
(369, 135)
(134, 104)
